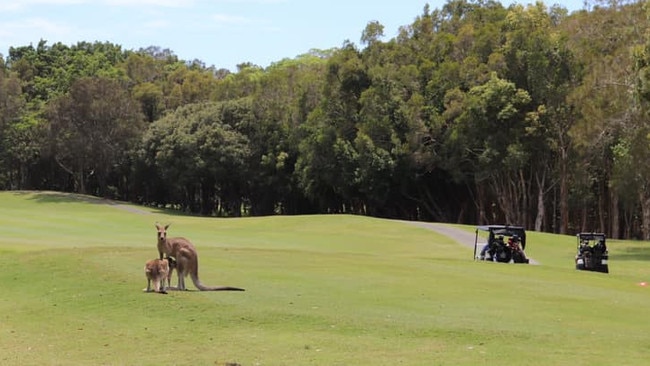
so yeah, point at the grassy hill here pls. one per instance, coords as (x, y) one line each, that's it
(321, 290)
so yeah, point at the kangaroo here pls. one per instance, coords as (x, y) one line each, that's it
(159, 270)
(187, 260)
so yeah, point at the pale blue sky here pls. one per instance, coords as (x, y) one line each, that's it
(222, 33)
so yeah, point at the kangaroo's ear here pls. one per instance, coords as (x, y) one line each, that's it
(157, 225)
(166, 226)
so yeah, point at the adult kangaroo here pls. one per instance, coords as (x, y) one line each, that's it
(187, 260)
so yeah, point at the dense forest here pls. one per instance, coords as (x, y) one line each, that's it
(475, 113)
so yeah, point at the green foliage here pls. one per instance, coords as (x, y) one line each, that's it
(491, 123)
(374, 30)
(197, 150)
(16, 136)
(49, 71)
(88, 133)
(151, 98)
(474, 112)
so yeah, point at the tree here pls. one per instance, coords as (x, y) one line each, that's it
(151, 99)
(326, 166)
(601, 40)
(91, 129)
(288, 91)
(538, 59)
(200, 158)
(489, 136)
(636, 135)
(372, 33)
(19, 142)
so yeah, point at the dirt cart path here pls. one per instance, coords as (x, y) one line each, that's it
(460, 236)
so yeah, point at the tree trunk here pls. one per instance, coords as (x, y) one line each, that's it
(552, 219)
(601, 212)
(615, 230)
(81, 183)
(480, 204)
(208, 193)
(77, 176)
(644, 199)
(627, 231)
(522, 216)
(564, 198)
(541, 211)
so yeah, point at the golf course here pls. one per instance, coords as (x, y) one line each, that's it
(320, 290)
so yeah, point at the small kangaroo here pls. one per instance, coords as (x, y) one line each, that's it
(187, 260)
(159, 270)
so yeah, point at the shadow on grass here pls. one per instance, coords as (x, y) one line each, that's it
(66, 197)
(635, 253)
(59, 197)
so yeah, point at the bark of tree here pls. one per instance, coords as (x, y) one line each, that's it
(541, 208)
(480, 204)
(601, 212)
(614, 214)
(564, 194)
(644, 199)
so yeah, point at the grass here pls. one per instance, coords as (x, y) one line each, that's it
(321, 290)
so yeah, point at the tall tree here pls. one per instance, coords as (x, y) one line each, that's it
(637, 128)
(601, 39)
(489, 135)
(538, 59)
(90, 130)
(289, 90)
(201, 159)
(327, 163)
(19, 140)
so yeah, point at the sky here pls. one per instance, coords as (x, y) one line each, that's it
(220, 33)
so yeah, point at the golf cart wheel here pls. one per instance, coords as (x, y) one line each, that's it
(518, 258)
(604, 269)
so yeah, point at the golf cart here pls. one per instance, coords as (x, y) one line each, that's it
(592, 253)
(497, 249)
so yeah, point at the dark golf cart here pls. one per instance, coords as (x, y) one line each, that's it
(592, 253)
(504, 244)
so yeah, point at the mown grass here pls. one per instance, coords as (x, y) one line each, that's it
(321, 290)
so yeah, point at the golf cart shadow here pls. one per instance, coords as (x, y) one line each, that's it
(635, 253)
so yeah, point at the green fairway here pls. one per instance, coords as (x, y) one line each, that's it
(320, 290)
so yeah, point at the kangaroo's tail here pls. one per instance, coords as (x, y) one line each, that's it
(202, 287)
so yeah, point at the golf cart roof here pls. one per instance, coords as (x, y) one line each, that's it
(590, 236)
(502, 229)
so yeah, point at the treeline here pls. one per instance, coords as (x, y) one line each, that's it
(474, 113)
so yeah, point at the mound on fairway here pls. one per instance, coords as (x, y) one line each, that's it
(321, 290)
